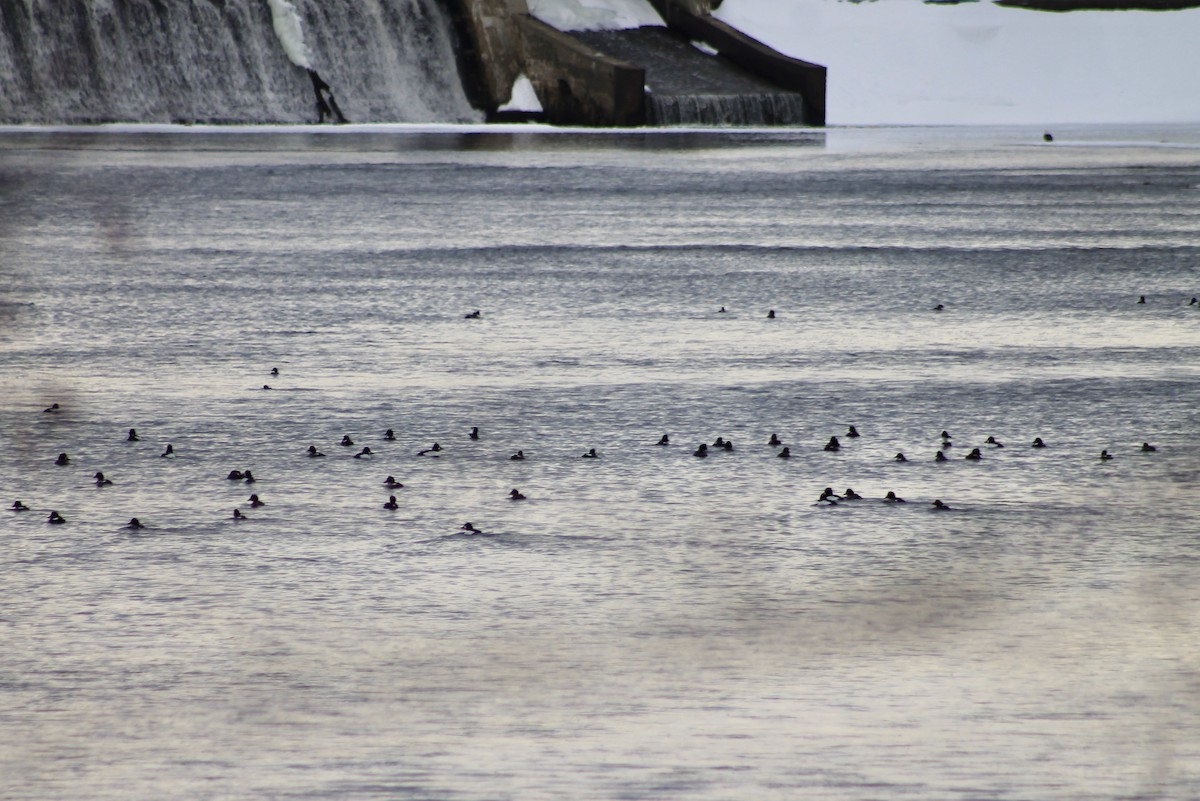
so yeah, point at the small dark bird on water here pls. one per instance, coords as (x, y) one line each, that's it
(63, 460)
(664, 440)
(133, 437)
(474, 432)
(391, 503)
(1148, 448)
(516, 495)
(786, 453)
(134, 523)
(519, 456)
(170, 451)
(771, 314)
(701, 452)
(55, 518)
(389, 435)
(1047, 137)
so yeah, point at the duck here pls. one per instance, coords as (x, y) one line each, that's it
(63, 460)
(389, 435)
(254, 502)
(786, 453)
(939, 307)
(1148, 448)
(826, 500)
(1193, 301)
(134, 523)
(721, 310)
(519, 456)
(852, 432)
(475, 315)
(1105, 456)
(1037, 443)
(133, 437)
(900, 457)
(516, 495)
(727, 446)
(19, 507)
(851, 495)
(470, 529)
(975, 455)
(993, 442)
(235, 475)
(237, 515)
(938, 506)
(55, 518)
(940, 457)
(364, 452)
(833, 444)
(775, 441)
(392, 483)
(313, 453)
(248, 477)
(101, 481)
(663, 440)
(266, 386)
(52, 408)
(169, 452)
(346, 441)
(474, 433)
(274, 371)
(892, 497)
(391, 503)
(701, 452)
(591, 454)
(719, 442)
(1141, 299)
(771, 314)
(946, 436)
(435, 448)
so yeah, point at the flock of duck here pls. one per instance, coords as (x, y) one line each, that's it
(828, 496)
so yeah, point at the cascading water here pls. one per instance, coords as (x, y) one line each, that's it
(227, 61)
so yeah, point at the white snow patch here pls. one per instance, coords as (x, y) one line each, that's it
(901, 62)
(595, 15)
(286, 21)
(523, 97)
(706, 48)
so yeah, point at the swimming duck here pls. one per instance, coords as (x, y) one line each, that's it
(313, 453)
(392, 483)
(19, 507)
(939, 307)
(235, 475)
(786, 453)
(994, 442)
(55, 518)
(1148, 448)
(851, 495)
(266, 386)
(852, 432)
(701, 452)
(721, 310)
(591, 454)
(101, 481)
(1141, 299)
(474, 432)
(435, 448)
(900, 457)
(470, 529)
(946, 436)
(346, 441)
(771, 314)
(826, 500)
(63, 460)
(52, 408)
(475, 315)
(892, 497)
(664, 440)
(170, 451)
(1037, 443)
(719, 442)
(1105, 456)
(391, 503)
(940, 457)
(134, 523)
(248, 477)
(133, 437)
(938, 506)
(833, 444)
(274, 371)
(255, 502)
(1194, 302)
(775, 441)
(237, 515)
(389, 435)
(519, 456)
(975, 455)
(364, 452)
(516, 495)
(727, 446)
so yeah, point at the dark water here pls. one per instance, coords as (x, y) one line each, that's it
(646, 624)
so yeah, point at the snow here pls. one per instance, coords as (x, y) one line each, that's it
(910, 63)
(595, 15)
(286, 21)
(523, 97)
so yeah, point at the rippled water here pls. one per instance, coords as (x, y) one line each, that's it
(647, 624)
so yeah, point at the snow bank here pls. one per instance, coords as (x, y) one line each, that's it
(595, 15)
(523, 97)
(903, 62)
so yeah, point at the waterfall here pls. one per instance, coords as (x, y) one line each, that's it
(226, 61)
(768, 108)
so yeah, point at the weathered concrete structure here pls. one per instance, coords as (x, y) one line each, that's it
(580, 85)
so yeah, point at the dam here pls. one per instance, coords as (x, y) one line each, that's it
(77, 62)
